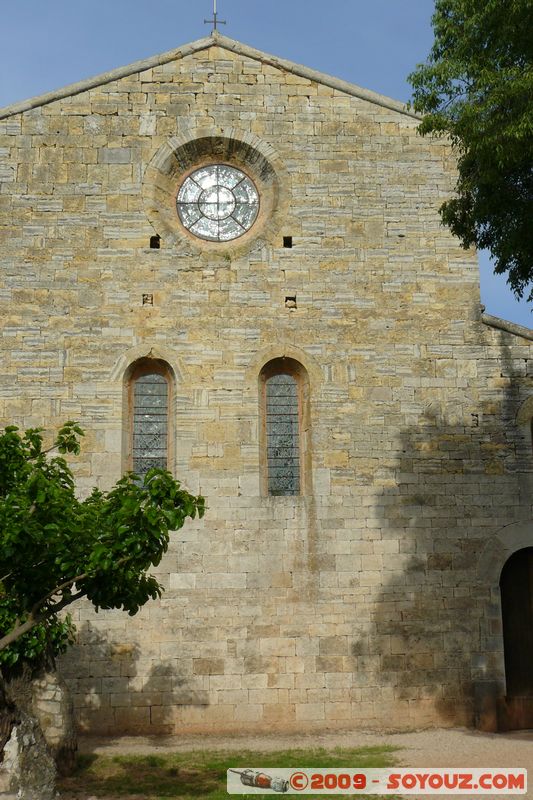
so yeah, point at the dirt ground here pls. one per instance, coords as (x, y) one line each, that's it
(428, 748)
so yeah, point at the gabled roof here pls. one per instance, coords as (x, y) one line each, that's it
(195, 47)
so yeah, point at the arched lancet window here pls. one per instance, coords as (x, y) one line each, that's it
(149, 388)
(284, 401)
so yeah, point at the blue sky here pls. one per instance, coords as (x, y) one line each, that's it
(46, 45)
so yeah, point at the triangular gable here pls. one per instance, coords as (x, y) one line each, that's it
(195, 47)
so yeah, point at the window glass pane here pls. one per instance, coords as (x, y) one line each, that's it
(205, 228)
(190, 192)
(229, 229)
(229, 177)
(206, 177)
(245, 192)
(217, 203)
(190, 214)
(150, 423)
(245, 215)
(283, 435)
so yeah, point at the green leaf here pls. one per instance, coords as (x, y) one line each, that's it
(49, 537)
(476, 87)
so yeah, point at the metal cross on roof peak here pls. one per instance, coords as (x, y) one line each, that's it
(215, 21)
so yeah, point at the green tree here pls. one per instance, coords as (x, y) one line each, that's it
(56, 548)
(477, 88)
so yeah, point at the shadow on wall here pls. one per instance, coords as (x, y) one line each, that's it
(452, 482)
(119, 688)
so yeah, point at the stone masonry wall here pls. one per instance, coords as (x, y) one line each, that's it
(357, 604)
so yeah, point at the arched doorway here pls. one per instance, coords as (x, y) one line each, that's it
(516, 587)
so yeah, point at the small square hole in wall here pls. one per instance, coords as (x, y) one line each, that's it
(155, 242)
(287, 241)
(290, 302)
(148, 299)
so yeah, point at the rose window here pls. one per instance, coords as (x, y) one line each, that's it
(218, 203)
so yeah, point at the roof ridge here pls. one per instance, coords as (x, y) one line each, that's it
(194, 47)
(508, 327)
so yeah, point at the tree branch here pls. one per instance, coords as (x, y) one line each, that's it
(34, 619)
(17, 632)
(36, 616)
(57, 590)
(33, 566)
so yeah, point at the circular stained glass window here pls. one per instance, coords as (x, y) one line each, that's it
(217, 203)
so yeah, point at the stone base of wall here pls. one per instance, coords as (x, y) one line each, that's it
(401, 716)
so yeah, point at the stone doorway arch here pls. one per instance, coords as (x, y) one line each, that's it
(498, 706)
(516, 589)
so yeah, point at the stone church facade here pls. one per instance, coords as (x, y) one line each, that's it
(258, 246)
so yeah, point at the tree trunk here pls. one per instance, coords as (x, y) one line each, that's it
(37, 734)
(9, 719)
(28, 766)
